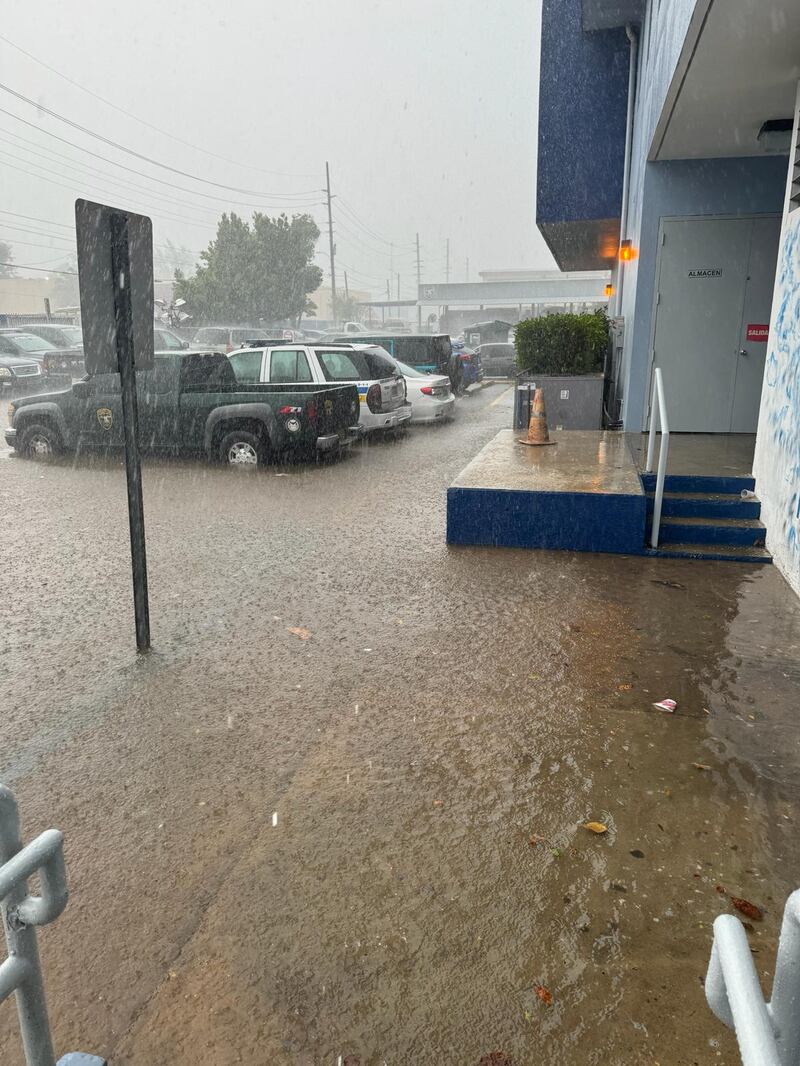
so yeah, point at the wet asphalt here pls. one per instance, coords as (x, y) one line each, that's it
(362, 842)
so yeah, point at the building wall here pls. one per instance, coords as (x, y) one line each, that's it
(24, 296)
(744, 186)
(777, 459)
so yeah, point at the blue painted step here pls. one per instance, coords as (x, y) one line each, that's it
(706, 505)
(731, 531)
(699, 483)
(718, 552)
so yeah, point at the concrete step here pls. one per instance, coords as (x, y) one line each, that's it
(706, 505)
(719, 552)
(731, 532)
(699, 483)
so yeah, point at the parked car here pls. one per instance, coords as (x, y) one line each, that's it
(471, 364)
(189, 401)
(17, 370)
(225, 339)
(429, 394)
(61, 336)
(51, 358)
(381, 387)
(428, 353)
(164, 340)
(498, 360)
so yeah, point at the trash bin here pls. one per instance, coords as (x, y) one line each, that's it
(523, 398)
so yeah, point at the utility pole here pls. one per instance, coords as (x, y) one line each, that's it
(346, 290)
(419, 282)
(398, 291)
(330, 240)
(467, 265)
(447, 262)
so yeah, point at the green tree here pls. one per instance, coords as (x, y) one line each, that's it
(345, 308)
(260, 273)
(6, 260)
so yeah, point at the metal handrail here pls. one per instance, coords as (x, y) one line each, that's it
(768, 1034)
(658, 413)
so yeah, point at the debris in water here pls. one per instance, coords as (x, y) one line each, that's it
(637, 854)
(544, 994)
(230, 721)
(722, 891)
(666, 705)
(367, 649)
(274, 818)
(281, 475)
(668, 584)
(700, 766)
(747, 494)
(596, 827)
(748, 909)
(299, 631)
(499, 1058)
(535, 839)
(626, 687)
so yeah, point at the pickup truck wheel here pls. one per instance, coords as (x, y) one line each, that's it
(39, 441)
(242, 448)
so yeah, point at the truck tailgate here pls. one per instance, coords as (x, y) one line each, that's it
(337, 409)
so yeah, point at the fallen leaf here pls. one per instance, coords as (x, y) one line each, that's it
(624, 688)
(748, 909)
(438, 803)
(637, 854)
(700, 766)
(722, 891)
(668, 584)
(544, 994)
(596, 827)
(499, 1058)
(535, 839)
(298, 631)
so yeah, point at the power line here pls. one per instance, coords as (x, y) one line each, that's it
(355, 218)
(152, 177)
(42, 270)
(144, 122)
(139, 155)
(32, 218)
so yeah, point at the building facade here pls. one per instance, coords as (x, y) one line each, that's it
(665, 134)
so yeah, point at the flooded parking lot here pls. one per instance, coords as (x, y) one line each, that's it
(338, 813)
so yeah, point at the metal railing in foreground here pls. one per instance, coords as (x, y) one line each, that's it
(658, 407)
(768, 1033)
(20, 973)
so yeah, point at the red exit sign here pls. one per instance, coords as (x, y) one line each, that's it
(757, 332)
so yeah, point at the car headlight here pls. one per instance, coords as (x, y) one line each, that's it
(5, 372)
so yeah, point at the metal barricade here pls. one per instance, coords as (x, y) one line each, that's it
(768, 1033)
(20, 973)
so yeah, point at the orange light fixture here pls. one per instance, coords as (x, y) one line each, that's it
(627, 252)
(609, 289)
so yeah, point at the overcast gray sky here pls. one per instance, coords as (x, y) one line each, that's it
(426, 111)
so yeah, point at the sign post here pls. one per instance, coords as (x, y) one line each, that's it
(115, 267)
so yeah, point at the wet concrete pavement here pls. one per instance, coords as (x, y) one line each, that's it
(448, 706)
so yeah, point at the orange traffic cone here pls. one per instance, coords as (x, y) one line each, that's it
(537, 427)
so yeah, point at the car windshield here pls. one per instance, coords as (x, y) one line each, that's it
(366, 365)
(28, 343)
(72, 335)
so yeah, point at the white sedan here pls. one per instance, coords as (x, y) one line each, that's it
(429, 395)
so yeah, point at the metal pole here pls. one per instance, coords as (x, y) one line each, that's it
(786, 986)
(398, 291)
(651, 437)
(663, 453)
(120, 266)
(21, 942)
(330, 241)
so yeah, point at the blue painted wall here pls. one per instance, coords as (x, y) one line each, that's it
(583, 92)
(742, 186)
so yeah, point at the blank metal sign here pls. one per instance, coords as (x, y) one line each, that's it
(94, 238)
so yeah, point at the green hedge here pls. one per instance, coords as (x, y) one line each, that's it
(563, 344)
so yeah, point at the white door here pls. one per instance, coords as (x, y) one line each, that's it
(765, 235)
(709, 269)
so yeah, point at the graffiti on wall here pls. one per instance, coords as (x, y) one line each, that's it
(782, 392)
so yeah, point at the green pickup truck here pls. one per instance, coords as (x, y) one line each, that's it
(189, 401)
